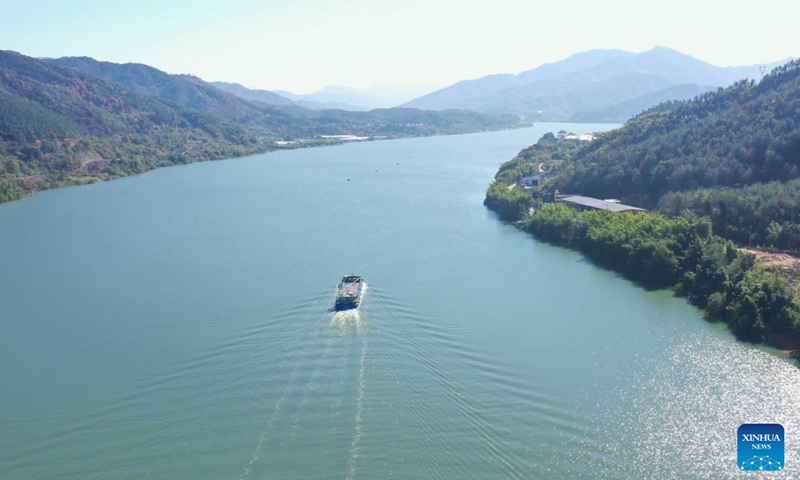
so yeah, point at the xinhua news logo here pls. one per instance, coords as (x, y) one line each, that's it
(760, 447)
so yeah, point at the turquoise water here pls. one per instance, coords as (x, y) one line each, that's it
(178, 325)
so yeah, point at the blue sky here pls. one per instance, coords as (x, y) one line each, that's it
(303, 45)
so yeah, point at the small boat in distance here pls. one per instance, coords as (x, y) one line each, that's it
(348, 293)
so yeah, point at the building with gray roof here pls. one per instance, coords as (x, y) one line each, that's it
(589, 203)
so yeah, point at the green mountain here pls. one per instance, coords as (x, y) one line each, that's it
(184, 90)
(721, 168)
(286, 122)
(586, 86)
(732, 155)
(60, 127)
(80, 103)
(747, 133)
(97, 120)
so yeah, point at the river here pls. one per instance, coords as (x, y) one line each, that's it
(178, 325)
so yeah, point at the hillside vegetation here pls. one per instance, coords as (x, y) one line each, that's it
(731, 155)
(745, 134)
(61, 127)
(96, 121)
(757, 303)
(721, 168)
(283, 119)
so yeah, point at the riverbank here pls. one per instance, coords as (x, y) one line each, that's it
(756, 302)
(789, 267)
(93, 168)
(757, 299)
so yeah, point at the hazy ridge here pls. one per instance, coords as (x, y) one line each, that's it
(606, 84)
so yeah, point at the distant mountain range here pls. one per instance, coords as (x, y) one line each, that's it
(272, 115)
(263, 96)
(331, 97)
(380, 96)
(597, 85)
(592, 86)
(192, 92)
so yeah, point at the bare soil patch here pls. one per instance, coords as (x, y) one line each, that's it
(788, 265)
(769, 258)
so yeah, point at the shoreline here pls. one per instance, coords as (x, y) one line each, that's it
(54, 182)
(50, 181)
(784, 343)
(718, 302)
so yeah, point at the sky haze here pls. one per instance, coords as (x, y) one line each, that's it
(304, 45)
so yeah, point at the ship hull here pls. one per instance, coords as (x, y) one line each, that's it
(348, 293)
(342, 307)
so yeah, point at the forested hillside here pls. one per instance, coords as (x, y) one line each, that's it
(513, 203)
(758, 304)
(60, 127)
(184, 90)
(763, 214)
(745, 134)
(723, 167)
(731, 155)
(285, 121)
(65, 126)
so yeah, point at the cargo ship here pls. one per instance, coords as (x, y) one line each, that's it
(348, 293)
